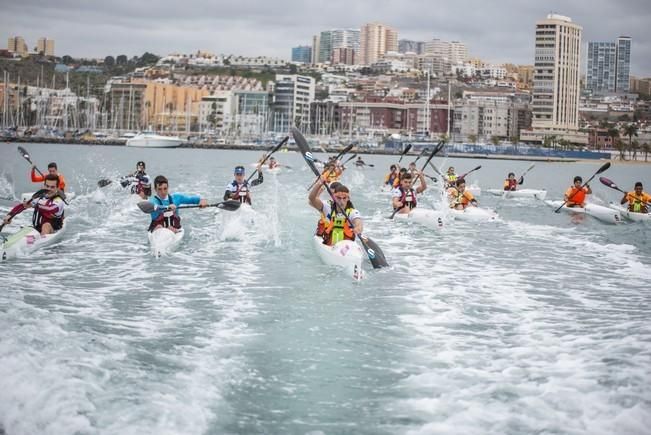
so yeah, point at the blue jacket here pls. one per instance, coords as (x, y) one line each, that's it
(177, 199)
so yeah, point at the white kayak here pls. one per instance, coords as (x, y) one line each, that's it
(28, 195)
(631, 215)
(475, 214)
(345, 254)
(522, 193)
(599, 212)
(163, 241)
(429, 218)
(27, 240)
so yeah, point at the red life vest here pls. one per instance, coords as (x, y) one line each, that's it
(510, 184)
(171, 220)
(45, 212)
(408, 198)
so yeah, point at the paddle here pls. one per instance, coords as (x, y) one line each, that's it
(273, 150)
(104, 182)
(23, 152)
(342, 165)
(521, 179)
(405, 151)
(36, 194)
(422, 153)
(605, 181)
(230, 205)
(603, 168)
(375, 254)
(438, 148)
(460, 177)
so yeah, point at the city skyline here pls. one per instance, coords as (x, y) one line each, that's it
(130, 28)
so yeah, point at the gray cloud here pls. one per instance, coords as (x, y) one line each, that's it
(498, 31)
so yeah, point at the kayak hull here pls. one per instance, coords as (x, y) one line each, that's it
(27, 240)
(599, 212)
(164, 241)
(428, 218)
(522, 193)
(475, 214)
(345, 254)
(630, 215)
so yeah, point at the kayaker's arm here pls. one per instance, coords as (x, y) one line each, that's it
(313, 197)
(589, 191)
(423, 184)
(258, 180)
(624, 199)
(358, 226)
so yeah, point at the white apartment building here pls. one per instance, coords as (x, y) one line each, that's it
(292, 97)
(375, 40)
(556, 80)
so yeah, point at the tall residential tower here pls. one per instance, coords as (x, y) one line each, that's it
(375, 40)
(609, 65)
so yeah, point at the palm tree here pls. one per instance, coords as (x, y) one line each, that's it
(630, 130)
(646, 149)
(472, 138)
(614, 134)
(621, 147)
(634, 146)
(495, 140)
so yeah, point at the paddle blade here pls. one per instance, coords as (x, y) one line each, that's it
(230, 205)
(345, 150)
(605, 181)
(603, 168)
(23, 152)
(407, 149)
(304, 148)
(146, 207)
(375, 254)
(104, 183)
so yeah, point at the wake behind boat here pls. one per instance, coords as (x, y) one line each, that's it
(152, 140)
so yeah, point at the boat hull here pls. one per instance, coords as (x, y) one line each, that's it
(27, 240)
(522, 193)
(163, 241)
(154, 141)
(345, 254)
(601, 213)
(428, 218)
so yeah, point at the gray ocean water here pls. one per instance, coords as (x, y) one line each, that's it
(536, 324)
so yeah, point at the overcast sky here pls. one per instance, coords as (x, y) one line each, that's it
(495, 30)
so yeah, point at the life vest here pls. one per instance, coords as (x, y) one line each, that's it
(167, 218)
(337, 228)
(510, 184)
(143, 185)
(457, 198)
(636, 204)
(576, 197)
(408, 198)
(242, 192)
(451, 177)
(44, 212)
(391, 179)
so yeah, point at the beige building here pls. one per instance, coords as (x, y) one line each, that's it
(45, 46)
(556, 79)
(17, 44)
(375, 40)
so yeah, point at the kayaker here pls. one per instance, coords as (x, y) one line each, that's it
(450, 177)
(239, 187)
(48, 208)
(336, 227)
(511, 184)
(323, 221)
(332, 171)
(638, 200)
(51, 169)
(359, 162)
(140, 180)
(392, 178)
(459, 197)
(272, 162)
(169, 218)
(575, 195)
(404, 196)
(412, 169)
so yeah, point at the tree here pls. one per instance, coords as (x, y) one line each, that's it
(495, 140)
(621, 147)
(472, 138)
(630, 130)
(634, 146)
(67, 60)
(121, 59)
(109, 61)
(148, 59)
(646, 149)
(614, 134)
